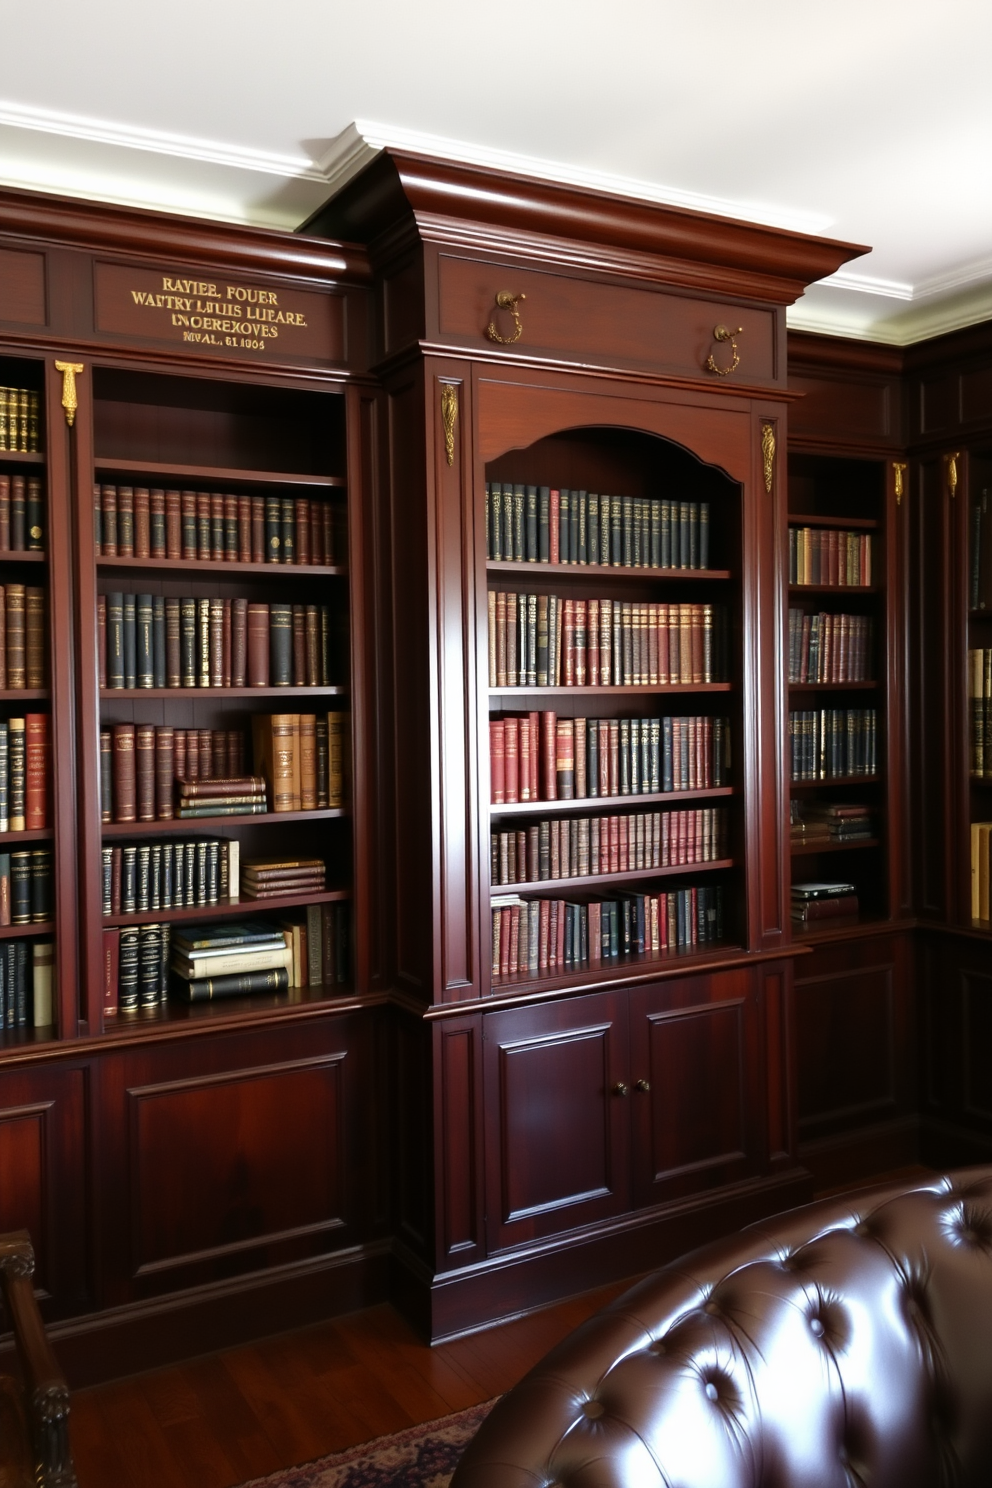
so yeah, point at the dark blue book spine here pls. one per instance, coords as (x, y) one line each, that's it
(130, 641)
(158, 641)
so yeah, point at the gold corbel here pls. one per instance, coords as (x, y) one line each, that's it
(724, 333)
(507, 301)
(70, 399)
(952, 472)
(899, 468)
(768, 454)
(449, 415)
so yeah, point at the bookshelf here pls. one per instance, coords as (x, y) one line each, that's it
(977, 726)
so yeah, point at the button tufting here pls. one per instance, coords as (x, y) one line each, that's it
(816, 1327)
(712, 1393)
(712, 1308)
(592, 1409)
(656, 1348)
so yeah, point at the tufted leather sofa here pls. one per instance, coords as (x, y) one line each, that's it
(845, 1343)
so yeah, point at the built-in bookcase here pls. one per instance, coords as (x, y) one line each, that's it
(836, 660)
(671, 822)
(977, 727)
(205, 435)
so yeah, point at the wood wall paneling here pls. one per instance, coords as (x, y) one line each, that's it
(23, 299)
(459, 1126)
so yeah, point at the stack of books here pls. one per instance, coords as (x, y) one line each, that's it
(238, 795)
(823, 901)
(273, 878)
(229, 961)
(839, 821)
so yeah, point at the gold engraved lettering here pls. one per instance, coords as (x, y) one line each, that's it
(245, 315)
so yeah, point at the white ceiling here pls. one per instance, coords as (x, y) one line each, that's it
(869, 120)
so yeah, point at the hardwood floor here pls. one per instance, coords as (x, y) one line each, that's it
(241, 1414)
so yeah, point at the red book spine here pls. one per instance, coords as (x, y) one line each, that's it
(191, 769)
(244, 529)
(258, 529)
(327, 520)
(36, 771)
(109, 500)
(159, 538)
(511, 748)
(142, 522)
(316, 532)
(123, 773)
(592, 640)
(549, 756)
(173, 525)
(218, 753)
(302, 530)
(203, 534)
(534, 729)
(565, 759)
(497, 761)
(552, 934)
(188, 523)
(111, 952)
(554, 551)
(560, 933)
(144, 767)
(595, 934)
(543, 924)
(614, 824)
(125, 521)
(239, 642)
(568, 644)
(101, 639)
(226, 645)
(258, 645)
(206, 753)
(164, 771)
(116, 858)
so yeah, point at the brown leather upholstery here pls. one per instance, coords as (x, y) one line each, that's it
(848, 1342)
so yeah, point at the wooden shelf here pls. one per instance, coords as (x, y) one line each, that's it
(860, 524)
(173, 1014)
(808, 849)
(23, 555)
(107, 694)
(33, 834)
(608, 804)
(597, 880)
(212, 566)
(604, 570)
(846, 781)
(626, 691)
(839, 589)
(841, 927)
(214, 474)
(832, 686)
(11, 457)
(24, 695)
(226, 909)
(198, 824)
(19, 932)
(691, 959)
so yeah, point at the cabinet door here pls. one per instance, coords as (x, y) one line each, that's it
(556, 1117)
(694, 1073)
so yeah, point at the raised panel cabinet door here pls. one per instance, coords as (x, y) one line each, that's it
(695, 1085)
(556, 1100)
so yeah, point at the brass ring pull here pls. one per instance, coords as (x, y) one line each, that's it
(724, 333)
(507, 301)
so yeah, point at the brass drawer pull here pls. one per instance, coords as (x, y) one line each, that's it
(724, 333)
(507, 301)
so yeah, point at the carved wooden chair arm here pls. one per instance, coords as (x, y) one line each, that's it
(45, 1390)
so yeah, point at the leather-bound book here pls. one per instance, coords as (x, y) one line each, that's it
(125, 790)
(299, 645)
(20, 888)
(125, 521)
(111, 949)
(280, 644)
(313, 676)
(497, 761)
(115, 880)
(206, 738)
(144, 666)
(302, 527)
(129, 630)
(216, 674)
(275, 737)
(106, 775)
(16, 773)
(337, 758)
(42, 899)
(287, 525)
(308, 762)
(128, 972)
(258, 645)
(187, 641)
(331, 555)
(4, 889)
(316, 532)
(142, 522)
(188, 759)
(156, 523)
(273, 525)
(101, 639)
(144, 765)
(129, 880)
(203, 546)
(3, 638)
(258, 553)
(244, 528)
(231, 529)
(5, 513)
(325, 645)
(4, 779)
(203, 641)
(549, 755)
(187, 508)
(35, 515)
(173, 524)
(179, 753)
(158, 640)
(14, 604)
(235, 752)
(164, 769)
(218, 542)
(239, 642)
(37, 768)
(18, 513)
(322, 762)
(226, 644)
(97, 518)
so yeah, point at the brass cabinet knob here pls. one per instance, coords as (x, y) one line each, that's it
(620, 1088)
(643, 1086)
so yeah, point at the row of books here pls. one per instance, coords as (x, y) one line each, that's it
(138, 522)
(20, 420)
(154, 772)
(577, 847)
(145, 640)
(22, 514)
(189, 873)
(829, 648)
(833, 742)
(23, 627)
(26, 896)
(541, 757)
(541, 640)
(980, 574)
(980, 707)
(535, 936)
(818, 823)
(27, 984)
(816, 902)
(539, 524)
(981, 870)
(25, 773)
(830, 556)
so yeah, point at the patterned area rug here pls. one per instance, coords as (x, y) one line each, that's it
(420, 1457)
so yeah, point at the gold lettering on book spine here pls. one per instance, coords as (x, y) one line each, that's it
(70, 398)
(768, 454)
(449, 415)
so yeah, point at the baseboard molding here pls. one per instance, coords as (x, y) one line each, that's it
(848, 1157)
(508, 1286)
(126, 1340)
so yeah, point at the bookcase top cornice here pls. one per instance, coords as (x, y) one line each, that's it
(443, 197)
